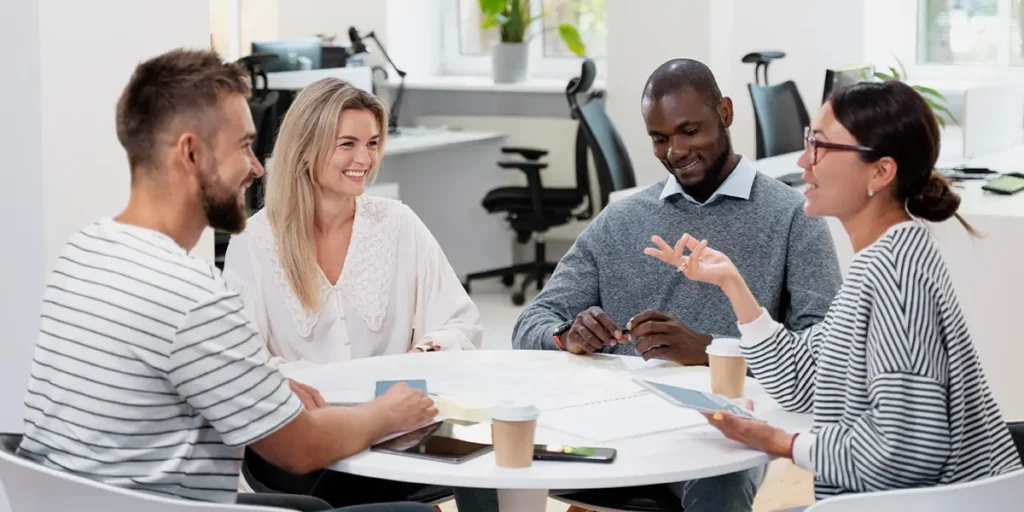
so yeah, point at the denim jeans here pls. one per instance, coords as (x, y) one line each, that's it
(732, 492)
(301, 503)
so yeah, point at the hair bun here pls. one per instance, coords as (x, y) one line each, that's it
(935, 202)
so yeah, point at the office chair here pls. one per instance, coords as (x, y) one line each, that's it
(532, 210)
(258, 475)
(780, 116)
(761, 60)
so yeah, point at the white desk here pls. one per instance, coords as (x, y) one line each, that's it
(361, 77)
(443, 176)
(686, 454)
(988, 273)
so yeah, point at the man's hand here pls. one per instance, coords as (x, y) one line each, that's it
(592, 331)
(409, 408)
(310, 397)
(663, 336)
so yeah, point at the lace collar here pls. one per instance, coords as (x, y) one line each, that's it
(369, 271)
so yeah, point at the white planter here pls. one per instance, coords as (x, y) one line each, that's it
(510, 62)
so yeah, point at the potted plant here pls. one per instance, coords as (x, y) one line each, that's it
(934, 98)
(510, 57)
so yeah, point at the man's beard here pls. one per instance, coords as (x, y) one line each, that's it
(222, 208)
(718, 165)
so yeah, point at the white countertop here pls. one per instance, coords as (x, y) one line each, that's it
(485, 84)
(412, 140)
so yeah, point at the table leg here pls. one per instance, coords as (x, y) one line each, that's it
(522, 500)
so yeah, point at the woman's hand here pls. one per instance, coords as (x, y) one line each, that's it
(703, 264)
(753, 433)
(434, 347)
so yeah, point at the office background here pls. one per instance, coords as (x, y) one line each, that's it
(66, 61)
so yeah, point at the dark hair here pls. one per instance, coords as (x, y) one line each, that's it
(894, 120)
(678, 73)
(178, 83)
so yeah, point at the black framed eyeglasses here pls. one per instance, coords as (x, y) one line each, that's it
(814, 147)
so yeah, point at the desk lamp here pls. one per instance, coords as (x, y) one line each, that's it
(359, 47)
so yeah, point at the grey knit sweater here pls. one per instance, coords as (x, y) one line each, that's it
(787, 259)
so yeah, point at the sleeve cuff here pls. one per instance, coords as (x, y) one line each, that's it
(753, 333)
(803, 448)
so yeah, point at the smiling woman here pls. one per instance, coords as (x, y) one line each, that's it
(328, 274)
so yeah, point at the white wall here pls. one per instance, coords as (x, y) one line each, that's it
(64, 167)
(307, 18)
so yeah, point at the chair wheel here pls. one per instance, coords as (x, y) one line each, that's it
(508, 280)
(518, 299)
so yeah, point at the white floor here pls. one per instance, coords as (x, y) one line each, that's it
(497, 314)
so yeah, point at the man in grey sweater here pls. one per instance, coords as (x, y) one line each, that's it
(607, 296)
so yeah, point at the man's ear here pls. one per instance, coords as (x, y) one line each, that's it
(725, 111)
(189, 151)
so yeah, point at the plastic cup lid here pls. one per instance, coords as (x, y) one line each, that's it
(725, 347)
(514, 411)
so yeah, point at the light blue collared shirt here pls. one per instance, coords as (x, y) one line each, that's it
(738, 184)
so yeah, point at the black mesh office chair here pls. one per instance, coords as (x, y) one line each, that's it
(781, 117)
(534, 209)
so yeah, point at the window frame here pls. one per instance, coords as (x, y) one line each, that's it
(454, 62)
(908, 51)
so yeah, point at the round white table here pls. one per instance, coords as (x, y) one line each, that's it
(695, 452)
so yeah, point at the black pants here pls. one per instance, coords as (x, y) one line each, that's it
(337, 489)
(310, 504)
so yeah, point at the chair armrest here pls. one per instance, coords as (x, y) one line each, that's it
(533, 183)
(527, 153)
(523, 166)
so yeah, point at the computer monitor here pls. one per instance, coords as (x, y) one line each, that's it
(836, 79)
(289, 51)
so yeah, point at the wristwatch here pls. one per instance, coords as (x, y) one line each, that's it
(559, 331)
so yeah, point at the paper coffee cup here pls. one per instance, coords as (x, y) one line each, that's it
(728, 367)
(513, 426)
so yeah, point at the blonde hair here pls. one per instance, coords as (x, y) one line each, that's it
(304, 145)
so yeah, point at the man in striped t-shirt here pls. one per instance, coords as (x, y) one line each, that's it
(146, 374)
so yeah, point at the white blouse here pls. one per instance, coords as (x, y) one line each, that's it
(397, 291)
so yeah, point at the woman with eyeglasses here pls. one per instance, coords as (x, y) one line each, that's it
(898, 394)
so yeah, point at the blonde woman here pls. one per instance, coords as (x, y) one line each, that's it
(328, 274)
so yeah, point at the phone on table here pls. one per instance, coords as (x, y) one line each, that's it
(554, 452)
(1006, 184)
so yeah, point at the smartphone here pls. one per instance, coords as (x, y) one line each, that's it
(384, 385)
(1006, 185)
(554, 452)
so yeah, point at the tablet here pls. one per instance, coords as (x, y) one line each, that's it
(693, 399)
(439, 441)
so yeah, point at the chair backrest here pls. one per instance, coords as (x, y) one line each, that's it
(1017, 434)
(781, 116)
(995, 494)
(614, 169)
(31, 487)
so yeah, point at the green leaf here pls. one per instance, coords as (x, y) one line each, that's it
(928, 91)
(572, 39)
(895, 74)
(942, 122)
(492, 7)
(884, 76)
(493, 20)
(903, 70)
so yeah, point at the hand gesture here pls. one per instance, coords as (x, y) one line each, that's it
(753, 433)
(703, 263)
(592, 331)
(409, 408)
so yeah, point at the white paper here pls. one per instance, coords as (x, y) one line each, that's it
(621, 419)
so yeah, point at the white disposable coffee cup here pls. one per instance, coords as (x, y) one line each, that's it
(728, 367)
(513, 426)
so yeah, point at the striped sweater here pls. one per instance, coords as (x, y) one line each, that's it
(898, 393)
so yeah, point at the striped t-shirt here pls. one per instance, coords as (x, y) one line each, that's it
(146, 373)
(898, 393)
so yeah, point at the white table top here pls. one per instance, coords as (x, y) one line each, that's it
(413, 140)
(691, 453)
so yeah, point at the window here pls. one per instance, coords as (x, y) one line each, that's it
(980, 33)
(467, 47)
